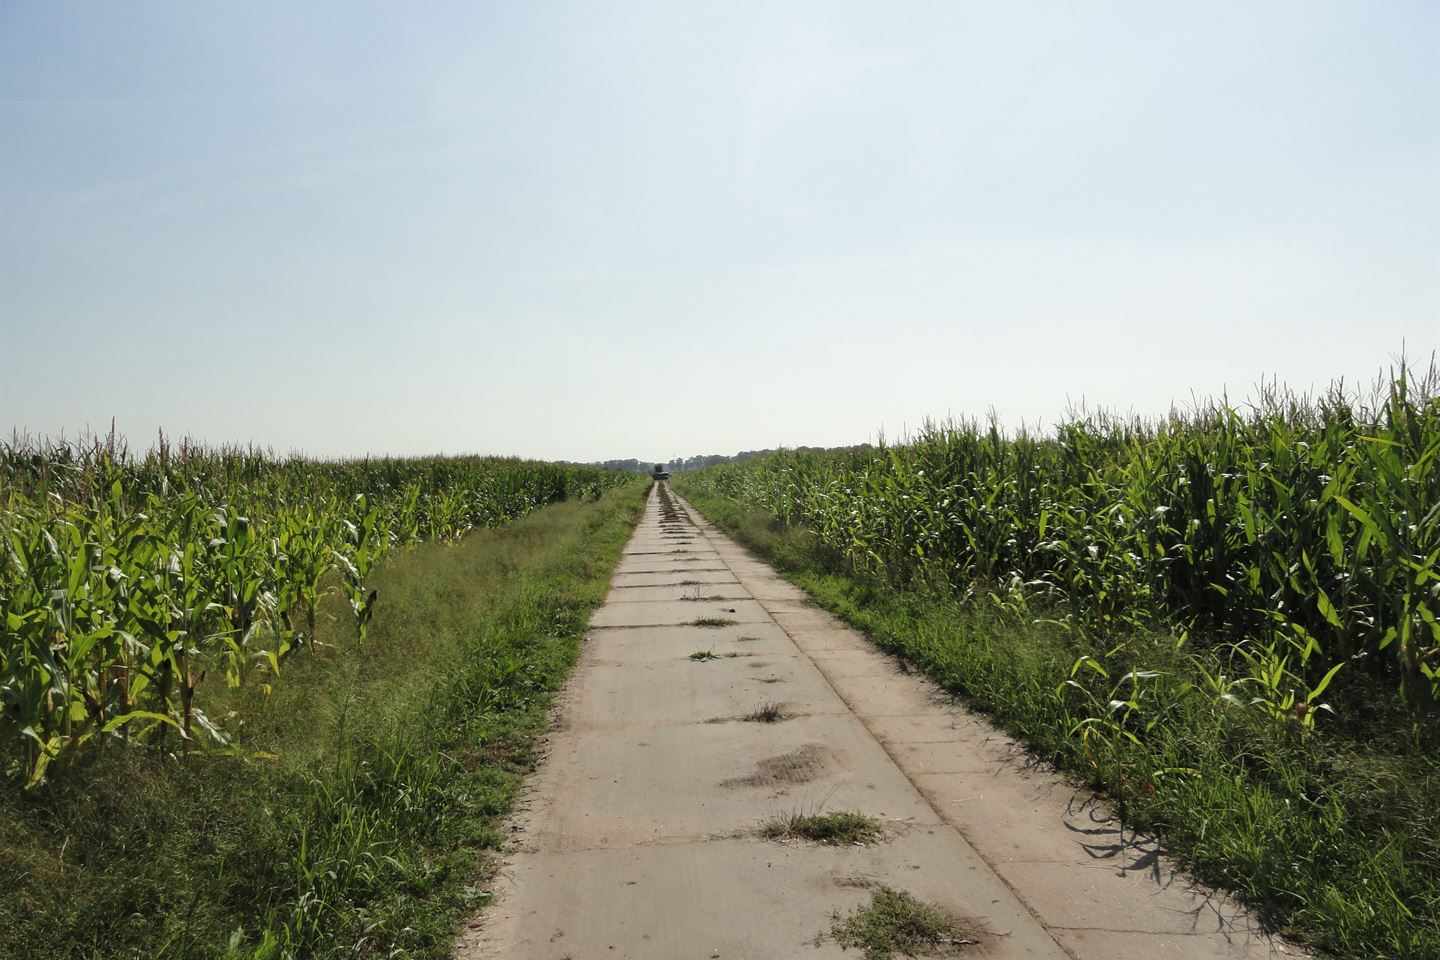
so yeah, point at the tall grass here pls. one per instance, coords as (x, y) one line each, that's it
(128, 580)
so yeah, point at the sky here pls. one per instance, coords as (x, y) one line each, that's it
(602, 230)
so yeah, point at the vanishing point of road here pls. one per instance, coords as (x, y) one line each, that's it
(637, 838)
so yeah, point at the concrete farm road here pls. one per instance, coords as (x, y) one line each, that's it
(637, 837)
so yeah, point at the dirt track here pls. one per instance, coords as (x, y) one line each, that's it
(638, 834)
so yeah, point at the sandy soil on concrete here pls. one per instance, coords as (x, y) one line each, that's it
(637, 836)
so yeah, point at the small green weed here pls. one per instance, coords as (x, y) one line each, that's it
(712, 622)
(703, 655)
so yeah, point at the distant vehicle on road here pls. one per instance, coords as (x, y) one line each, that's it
(660, 472)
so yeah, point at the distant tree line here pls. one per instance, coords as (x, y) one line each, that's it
(680, 464)
(632, 465)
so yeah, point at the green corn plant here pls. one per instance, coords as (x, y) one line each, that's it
(363, 546)
(1322, 511)
(1277, 677)
(125, 580)
(1111, 729)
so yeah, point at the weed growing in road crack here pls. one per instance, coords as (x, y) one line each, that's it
(712, 622)
(896, 922)
(767, 713)
(703, 655)
(839, 827)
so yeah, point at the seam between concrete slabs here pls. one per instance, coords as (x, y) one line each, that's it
(652, 626)
(683, 600)
(677, 583)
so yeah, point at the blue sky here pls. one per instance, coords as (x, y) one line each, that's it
(599, 230)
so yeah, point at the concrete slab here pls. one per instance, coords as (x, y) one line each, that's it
(773, 588)
(741, 899)
(885, 695)
(667, 783)
(632, 692)
(664, 642)
(799, 620)
(1040, 820)
(1135, 945)
(816, 638)
(661, 552)
(1076, 891)
(959, 724)
(683, 566)
(845, 663)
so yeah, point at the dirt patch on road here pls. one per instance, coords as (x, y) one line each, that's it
(797, 766)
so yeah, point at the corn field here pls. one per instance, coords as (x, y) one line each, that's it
(129, 580)
(1299, 537)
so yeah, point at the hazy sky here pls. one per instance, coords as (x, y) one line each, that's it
(594, 230)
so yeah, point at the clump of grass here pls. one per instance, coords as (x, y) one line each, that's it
(714, 596)
(703, 655)
(896, 922)
(836, 828)
(712, 622)
(767, 713)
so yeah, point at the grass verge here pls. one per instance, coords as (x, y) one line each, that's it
(353, 817)
(1333, 835)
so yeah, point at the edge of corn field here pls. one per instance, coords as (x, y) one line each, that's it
(1332, 838)
(355, 816)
